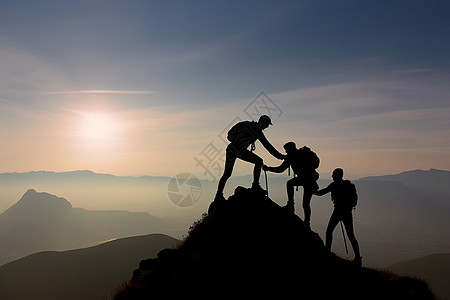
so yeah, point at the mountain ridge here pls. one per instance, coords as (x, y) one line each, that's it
(75, 173)
(431, 180)
(88, 273)
(434, 268)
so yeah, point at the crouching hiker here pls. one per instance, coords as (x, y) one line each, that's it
(304, 163)
(344, 197)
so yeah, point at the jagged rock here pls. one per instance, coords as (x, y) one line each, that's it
(250, 246)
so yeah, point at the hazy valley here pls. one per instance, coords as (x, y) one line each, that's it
(398, 218)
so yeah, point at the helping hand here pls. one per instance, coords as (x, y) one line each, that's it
(281, 156)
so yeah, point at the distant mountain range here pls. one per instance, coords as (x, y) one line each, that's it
(398, 217)
(89, 190)
(432, 180)
(90, 273)
(79, 174)
(41, 221)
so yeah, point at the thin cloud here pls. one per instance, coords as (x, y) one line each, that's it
(103, 92)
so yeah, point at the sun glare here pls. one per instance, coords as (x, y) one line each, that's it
(98, 129)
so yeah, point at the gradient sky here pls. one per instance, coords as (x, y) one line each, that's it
(147, 87)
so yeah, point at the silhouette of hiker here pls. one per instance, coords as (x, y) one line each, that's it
(241, 136)
(344, 197)
(304, 163)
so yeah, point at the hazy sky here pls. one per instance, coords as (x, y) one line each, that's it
(147, 87)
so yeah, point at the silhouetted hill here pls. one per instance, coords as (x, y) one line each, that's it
(89, 273)
(251, 247)
(41, 221)
(433, 268)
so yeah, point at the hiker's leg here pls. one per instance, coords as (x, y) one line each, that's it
(229, 164)
(307, 195)
(290, 190)
(251, 157)
(222, 182)
(334, 220)
(290, 184)
(348, 223)
(257, 171)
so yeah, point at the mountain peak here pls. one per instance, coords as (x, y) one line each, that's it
(34, 201)
(29, 193)
(250, 246)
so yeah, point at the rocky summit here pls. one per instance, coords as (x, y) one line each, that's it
(249, 246)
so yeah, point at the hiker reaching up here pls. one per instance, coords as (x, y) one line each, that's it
(241, 136)
(304, 163)
(344, 197)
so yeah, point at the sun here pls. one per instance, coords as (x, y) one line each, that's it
(98, 130)
(98, 127)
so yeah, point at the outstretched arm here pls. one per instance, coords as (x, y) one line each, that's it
(281, 168)
(269, 147)
(324, 190)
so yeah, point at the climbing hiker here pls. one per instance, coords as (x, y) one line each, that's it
(304, 163)
(241, 136)
(344, 197)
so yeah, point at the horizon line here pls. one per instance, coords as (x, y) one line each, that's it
(166, 176)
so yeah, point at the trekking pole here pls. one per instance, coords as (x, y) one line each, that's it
(343, 234)
(267, 185)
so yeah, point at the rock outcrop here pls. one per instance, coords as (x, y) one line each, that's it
(249, 246)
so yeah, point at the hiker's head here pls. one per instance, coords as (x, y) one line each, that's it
(264, 121)
(289, 147)
(338, 174)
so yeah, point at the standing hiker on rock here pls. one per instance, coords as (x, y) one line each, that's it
(345, 198)
(241, 136)
(304, 163)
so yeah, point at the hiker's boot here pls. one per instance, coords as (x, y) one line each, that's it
(257, 188)
(218, 202)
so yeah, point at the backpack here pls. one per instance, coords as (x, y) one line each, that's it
(345, 194)
(309, 159)
(235, 131)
